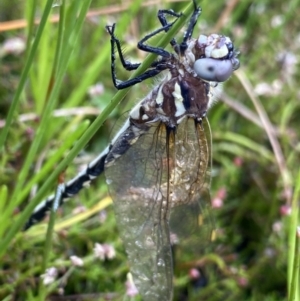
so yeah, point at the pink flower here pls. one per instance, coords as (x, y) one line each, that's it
(174, 239)
(49, 276)
(76, 261)
(287, 194)
(102, 216)
(13, 46)
(238, 161)
(99, 251)
(242, 281)
(285, 210)
(131, 289)
(79, 209)
(96, 90)
(110, 251)
(277, 227)
(194, 274)
(104, 251)
(218, 200)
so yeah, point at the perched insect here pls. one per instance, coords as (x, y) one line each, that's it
(158, 165)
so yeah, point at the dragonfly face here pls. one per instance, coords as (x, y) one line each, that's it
(158, 165)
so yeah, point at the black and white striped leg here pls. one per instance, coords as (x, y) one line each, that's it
(162, 18)
(156, 66)
(115, 41)
(157, 50)
(127, 65)
(190, 28)
(166, 26)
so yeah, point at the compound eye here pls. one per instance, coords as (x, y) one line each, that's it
(213, 70)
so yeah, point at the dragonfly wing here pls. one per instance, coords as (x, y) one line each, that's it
(135, 179)
(154, 181)
(192, 222)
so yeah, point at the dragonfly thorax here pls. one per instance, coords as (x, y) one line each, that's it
(179, 95)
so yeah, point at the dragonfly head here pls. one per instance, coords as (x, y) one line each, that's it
(215, 58)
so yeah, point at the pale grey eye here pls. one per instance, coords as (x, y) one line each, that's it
(213, 70)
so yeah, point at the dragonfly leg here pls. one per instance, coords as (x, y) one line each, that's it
(157, 50)
(162, 18)
(157, 66)
(188, 33)
(115, 41)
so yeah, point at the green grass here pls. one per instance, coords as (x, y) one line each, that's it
(255, 149)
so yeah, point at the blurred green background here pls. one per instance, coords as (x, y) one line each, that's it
(57, 78)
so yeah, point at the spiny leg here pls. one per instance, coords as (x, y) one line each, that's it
(162, 18)
(114, 40)
(157, 66)
(190, 28)
(131, 82)
(157, 50)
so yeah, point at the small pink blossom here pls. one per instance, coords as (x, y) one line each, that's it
(174, 239)
(49, 276)
(30, 133)
(288, 61)
(277, 227)
(267, 89)
(96, 90)
(242, 281)
(287, 193)
(110, 251)
(218, 200)
(285, 210)
(221, 193)
(238, 161)
(13, 46)
(76, 261)
(99, 251)
(131, 289)
(194, 274)
(104, 251)
(102, 216)
(79, 209)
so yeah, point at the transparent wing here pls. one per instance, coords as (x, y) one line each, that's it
(158, 180)
(192, 223)
(134, 181)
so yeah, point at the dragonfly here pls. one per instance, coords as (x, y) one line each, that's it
(158, 164)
